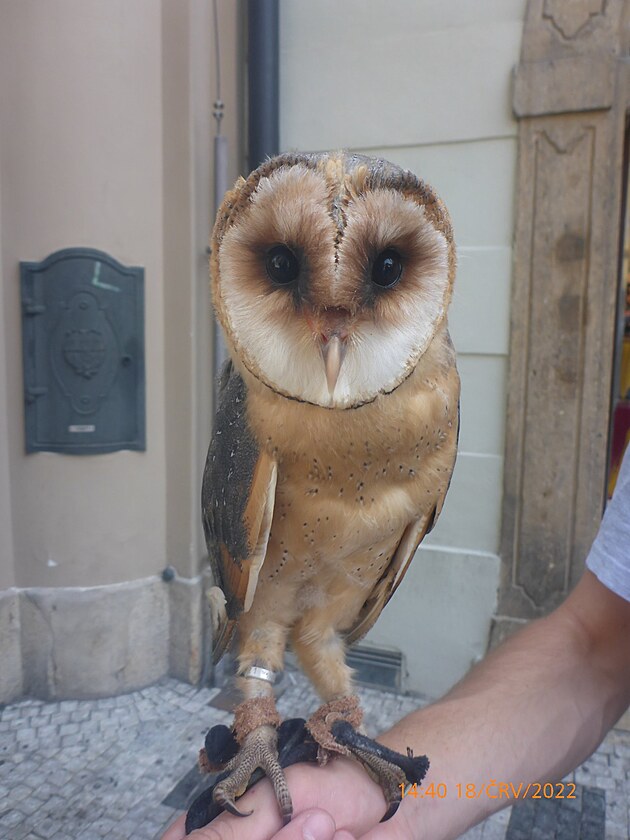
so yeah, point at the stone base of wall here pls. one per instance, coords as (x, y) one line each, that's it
(76, 643)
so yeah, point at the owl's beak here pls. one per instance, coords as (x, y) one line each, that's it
(333, 352)
(330, 327)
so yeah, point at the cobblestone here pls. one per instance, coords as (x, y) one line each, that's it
(85, 770)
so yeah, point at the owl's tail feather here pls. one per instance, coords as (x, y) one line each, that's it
(218, 613)
(222, 627)
(223, 641)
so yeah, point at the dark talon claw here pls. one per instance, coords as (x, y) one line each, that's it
(391, 810)
(231, 808)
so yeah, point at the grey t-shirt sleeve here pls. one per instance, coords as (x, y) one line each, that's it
(609, 557)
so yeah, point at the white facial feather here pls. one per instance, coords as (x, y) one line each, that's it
(271, 335)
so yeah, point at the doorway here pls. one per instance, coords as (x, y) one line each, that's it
(620, 408)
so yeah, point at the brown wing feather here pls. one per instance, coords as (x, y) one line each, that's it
(238, 495)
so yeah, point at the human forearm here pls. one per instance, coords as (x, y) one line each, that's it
(531, 711)
(480, 734)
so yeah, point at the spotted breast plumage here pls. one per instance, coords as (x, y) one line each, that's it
(336, 430)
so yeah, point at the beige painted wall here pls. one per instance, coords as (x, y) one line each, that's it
(81, 164)
(106, 142)
(189, 90)
(7, 571)
(428, 86)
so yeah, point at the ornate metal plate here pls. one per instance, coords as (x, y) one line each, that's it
(83, 343)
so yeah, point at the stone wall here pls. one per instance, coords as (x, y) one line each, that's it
(71, 642)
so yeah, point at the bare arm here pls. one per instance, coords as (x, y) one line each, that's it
(531, 711)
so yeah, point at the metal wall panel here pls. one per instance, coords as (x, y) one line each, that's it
(83, 353)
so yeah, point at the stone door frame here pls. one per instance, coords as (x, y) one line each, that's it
(571, 97)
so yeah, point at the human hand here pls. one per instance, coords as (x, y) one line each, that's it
(336, 802)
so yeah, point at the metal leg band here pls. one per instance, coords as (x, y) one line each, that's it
(260, 674)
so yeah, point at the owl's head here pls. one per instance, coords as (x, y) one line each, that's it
(331, 275)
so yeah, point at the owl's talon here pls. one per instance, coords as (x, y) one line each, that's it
(228, 804)
(258, 752)
(294, 745)
(274, 773)
(391, 810)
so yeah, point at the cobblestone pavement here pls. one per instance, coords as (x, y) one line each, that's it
(85, 770)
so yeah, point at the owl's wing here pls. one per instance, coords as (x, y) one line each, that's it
(412, 536)
(237, 498)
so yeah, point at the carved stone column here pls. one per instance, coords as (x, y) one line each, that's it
(571, 94)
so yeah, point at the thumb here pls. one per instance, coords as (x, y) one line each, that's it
(309, 825)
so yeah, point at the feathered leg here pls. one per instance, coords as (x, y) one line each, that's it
(256, 720)
(336, 725)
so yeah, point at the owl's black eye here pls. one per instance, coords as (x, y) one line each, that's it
(282, 265)
(387, 268)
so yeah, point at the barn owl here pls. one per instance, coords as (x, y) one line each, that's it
(336, 430)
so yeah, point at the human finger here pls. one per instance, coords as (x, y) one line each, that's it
(313, 824)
